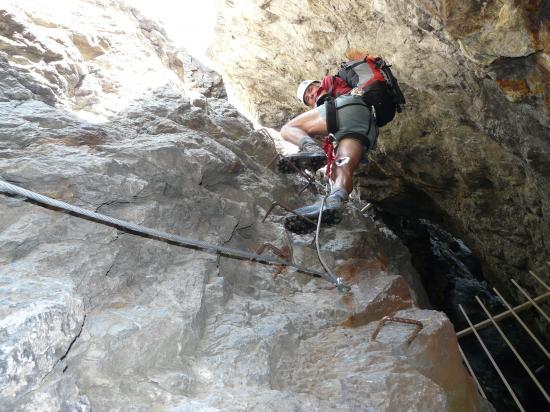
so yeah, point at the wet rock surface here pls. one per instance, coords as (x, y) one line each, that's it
(469, 152)
(92, 317)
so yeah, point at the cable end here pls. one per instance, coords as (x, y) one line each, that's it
(342, 287)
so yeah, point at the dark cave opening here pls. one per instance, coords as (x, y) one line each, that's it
(452, 275)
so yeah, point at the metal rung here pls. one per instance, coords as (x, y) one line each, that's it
(367, 207)
(288, 209)
(472, 374)
(502, 315)
(540, 280)
(285, 252)
(514, 312)
(387, 319)
(518, 356)
(492, 360)
(530, 300)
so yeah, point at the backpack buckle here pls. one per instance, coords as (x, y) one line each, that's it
(357, 91)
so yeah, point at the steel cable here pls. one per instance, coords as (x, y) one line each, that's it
(9, 188)
(338, 281)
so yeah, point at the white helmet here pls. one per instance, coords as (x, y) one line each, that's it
(301, 91)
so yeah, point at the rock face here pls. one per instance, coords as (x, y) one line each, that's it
(95, 318)
(83, 60)
(470, 151)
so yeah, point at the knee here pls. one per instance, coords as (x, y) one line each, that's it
(351, 144)
(350, 147)
(285, 131)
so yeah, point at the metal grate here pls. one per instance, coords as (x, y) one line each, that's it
(492, 321)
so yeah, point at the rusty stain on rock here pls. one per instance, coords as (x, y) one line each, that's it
(515, 90)
(234, 166)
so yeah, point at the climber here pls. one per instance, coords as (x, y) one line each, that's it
(349, 107)
(356, 134)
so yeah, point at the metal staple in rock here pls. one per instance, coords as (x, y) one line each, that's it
(9, 188)
(386, 319)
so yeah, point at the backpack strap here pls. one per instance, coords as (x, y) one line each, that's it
(351, 64)
(330, 91)
(393, 86)
(331, 118)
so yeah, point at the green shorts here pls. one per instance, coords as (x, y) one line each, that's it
(355, 120)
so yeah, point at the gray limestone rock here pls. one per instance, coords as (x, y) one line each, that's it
(95, 318)
(40, 318)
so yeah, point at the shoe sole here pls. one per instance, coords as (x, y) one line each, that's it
(300, 226)
(293, 164)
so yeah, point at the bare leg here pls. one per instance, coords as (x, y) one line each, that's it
(309, 124)
(333, 208)
(300, 131)
(352, 148)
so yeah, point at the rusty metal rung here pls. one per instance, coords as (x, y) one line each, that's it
(288, 209)
(277, 156)
(387, 319)
(275, 250)
(263, 131)
(279, 252)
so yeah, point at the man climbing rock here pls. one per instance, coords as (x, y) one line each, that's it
(349, 107)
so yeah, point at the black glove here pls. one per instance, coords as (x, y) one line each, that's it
(321, 100)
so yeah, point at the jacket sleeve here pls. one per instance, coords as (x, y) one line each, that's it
(326, 85)
(333, 84)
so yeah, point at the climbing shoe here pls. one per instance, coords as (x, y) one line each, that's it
(333, 213)
(310, 157)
